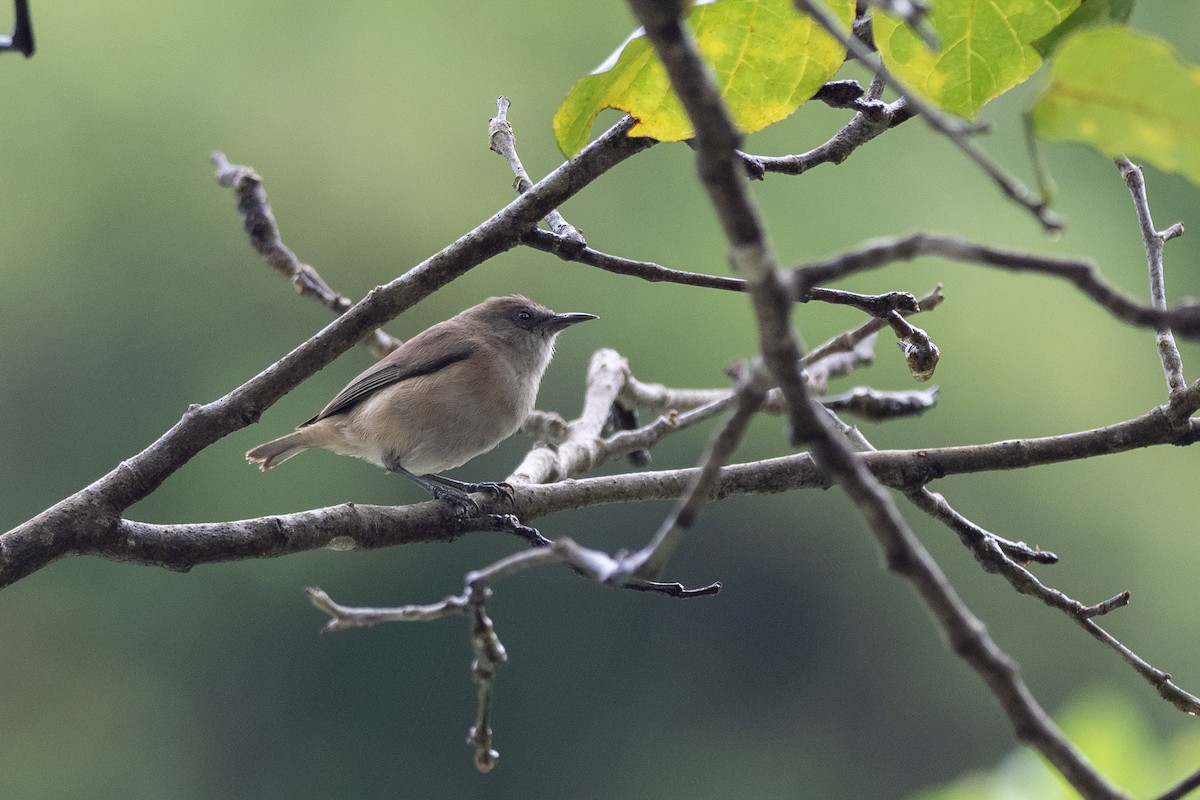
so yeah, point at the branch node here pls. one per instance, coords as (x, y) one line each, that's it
(1172, 232)
(1111, 604)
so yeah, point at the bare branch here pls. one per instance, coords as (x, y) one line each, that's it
(1154, 240)
(876, 406)
(180, 547)
(873, 118)
(877, 253)
(581, 450)
(920, 353)
(260, 225)
(548, 242)
(503, 141)
(840, 94)
(847, 342)
(995, 556)
(716, 142)
(1105, 606)
(876, 305)
(345, 617)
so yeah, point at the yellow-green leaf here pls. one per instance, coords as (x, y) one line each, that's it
(1092, 12)
(768, 59)
(1124, 92)
(986, 49)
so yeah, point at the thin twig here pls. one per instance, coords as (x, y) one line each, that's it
(21, 40)
(503, 141)
(846, 342)
(879, 305)
(873, 118)
(890, 307)
(995, 556)
(1183, 788)
(646, 270)
(875, 405)
(345, 617)
(260, 225)
(877, 253)
(1154, 241)
(954, 130)
(876, 305)
(649, 563)
(488, 651)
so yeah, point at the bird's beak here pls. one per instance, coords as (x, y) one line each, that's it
(559, 321)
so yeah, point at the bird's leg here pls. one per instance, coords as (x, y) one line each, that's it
(453, 494)
(456, 492)
(497, 489)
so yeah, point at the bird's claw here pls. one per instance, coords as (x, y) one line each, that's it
(500, 490)
(462, 499)
(463, 502)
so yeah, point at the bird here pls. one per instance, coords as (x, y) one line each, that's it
(448, 394)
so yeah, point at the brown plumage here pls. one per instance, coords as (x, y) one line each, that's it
(450, 393)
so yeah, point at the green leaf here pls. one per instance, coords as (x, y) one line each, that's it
(768, 60)
(986, 49)
(1124, 92)
(1091, 12)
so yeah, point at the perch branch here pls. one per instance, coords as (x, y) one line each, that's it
(180, 547)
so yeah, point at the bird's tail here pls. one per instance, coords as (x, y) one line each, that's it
(277, 451)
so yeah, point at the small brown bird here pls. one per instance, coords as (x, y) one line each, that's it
(448, 394)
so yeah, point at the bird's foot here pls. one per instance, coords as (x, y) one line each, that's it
(500, 490)
(459, 492)
(461, 500)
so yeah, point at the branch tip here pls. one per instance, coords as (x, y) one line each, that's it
(1111, 604)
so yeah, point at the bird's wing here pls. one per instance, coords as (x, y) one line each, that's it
(437, 349)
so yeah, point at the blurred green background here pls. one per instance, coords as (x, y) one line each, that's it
(129, 291)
